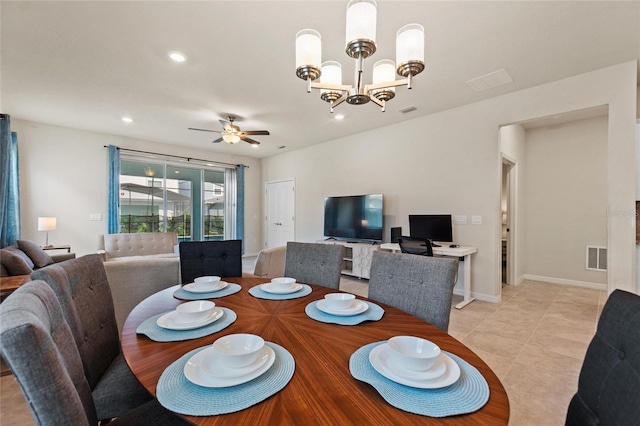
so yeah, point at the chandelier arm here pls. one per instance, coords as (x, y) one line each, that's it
(378, 102)
(327, 86)
(387, 84)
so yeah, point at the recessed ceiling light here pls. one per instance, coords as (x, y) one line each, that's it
(339, 117)
(177, 57)
(255, 145)
(127, 119)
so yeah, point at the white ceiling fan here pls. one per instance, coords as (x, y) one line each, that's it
(232, 133)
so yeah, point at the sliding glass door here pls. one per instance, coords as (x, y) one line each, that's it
(164, 197)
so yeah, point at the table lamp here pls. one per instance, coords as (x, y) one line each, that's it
(47, 224)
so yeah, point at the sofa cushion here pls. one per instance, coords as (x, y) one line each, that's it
(39, 257)
(14, 261)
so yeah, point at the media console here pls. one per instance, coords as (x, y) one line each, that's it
(357, 258)
(444, 250)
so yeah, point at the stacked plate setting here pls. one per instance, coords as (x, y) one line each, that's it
(416, 362)
(191, 315)
(341, 304)
(231, 360)
(281, 285)
(206, 284)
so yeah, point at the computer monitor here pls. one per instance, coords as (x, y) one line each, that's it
(436, 227)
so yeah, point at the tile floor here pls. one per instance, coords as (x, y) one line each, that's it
(534, 340)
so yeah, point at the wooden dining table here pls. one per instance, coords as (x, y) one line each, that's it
(322, 389)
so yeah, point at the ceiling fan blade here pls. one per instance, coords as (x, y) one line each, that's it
(255, 132)
(225, 124)
(204, 130)
(251, 141)
(217, 140)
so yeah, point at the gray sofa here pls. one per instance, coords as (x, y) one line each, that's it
(137, 266)
(25, 256)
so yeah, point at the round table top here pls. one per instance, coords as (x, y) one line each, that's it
(322, 390)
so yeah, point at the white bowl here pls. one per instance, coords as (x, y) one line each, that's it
(339, 301)
(196, 310)
(282, 283)
(206, 280)
(238, 350)
(414, 353)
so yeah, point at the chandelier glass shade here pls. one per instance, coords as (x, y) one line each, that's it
(360, 43)
(231, 138)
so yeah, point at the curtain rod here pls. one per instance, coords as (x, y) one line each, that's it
(176, 156)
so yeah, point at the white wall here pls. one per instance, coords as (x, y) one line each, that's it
(450, 162)
(63, 173)
(565, 199)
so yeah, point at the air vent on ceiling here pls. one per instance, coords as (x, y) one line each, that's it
(596, 258)
(491, 80)
(408, 109)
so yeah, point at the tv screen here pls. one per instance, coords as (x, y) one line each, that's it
(353, 218)
(436, 227)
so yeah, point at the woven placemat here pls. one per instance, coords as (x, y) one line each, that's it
(178, 394)
(187, 295)
(373, 313)
(468, 394)
(152, 330)
(256, 291)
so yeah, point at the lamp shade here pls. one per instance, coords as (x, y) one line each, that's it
(410, 44)
(308, 49)
(46, 224)
(384, 71)
(230, 138)
(361, 21)
(331, 73)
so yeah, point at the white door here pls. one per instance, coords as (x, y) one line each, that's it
(280, 217)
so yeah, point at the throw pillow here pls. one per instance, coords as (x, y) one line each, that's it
(39, 257)
(14, 263)
(14, 248)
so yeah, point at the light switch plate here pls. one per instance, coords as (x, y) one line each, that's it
(460, 219)
(476, 220)
(95, 216)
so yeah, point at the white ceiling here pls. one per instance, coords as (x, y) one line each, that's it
(85, 64)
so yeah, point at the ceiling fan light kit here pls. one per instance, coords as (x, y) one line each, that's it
(360, 44)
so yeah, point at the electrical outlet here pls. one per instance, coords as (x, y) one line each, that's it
(476, 220)
(460, 219)
(95, 216)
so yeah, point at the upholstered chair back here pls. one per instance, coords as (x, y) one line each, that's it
(419, 285)
(83, 290)
(609, 381)
(40, 349)
(313, 263)
(202, 258)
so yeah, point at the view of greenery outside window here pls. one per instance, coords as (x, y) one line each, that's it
(166, 198)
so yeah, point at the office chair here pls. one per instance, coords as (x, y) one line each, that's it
(414, 245)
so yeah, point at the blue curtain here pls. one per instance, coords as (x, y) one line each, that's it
(113, 201)
(9, 184)
(240, 204)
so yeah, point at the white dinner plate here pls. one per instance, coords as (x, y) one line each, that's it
(268, 287)
(169, 322)
(356, 308)
(214, 366)
(195, 374)
(205, 288)
(379, 362)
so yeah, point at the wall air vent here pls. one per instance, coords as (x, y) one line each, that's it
(491, 80)
(596, 258)
(408, 109)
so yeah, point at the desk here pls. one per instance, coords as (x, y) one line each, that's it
(64, 247)
(322, 390)
(464, 252)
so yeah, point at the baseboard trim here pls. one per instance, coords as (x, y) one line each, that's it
(562, 281)
(480, 296)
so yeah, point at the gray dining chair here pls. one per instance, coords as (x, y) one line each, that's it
(40, 350)
(313, 263)
(83, 291)
(220, 258)
(609, 381)
(419, 285)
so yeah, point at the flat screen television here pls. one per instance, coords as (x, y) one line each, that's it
(436, 227)
(356, 218)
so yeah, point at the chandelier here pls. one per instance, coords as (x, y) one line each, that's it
(360, 44)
